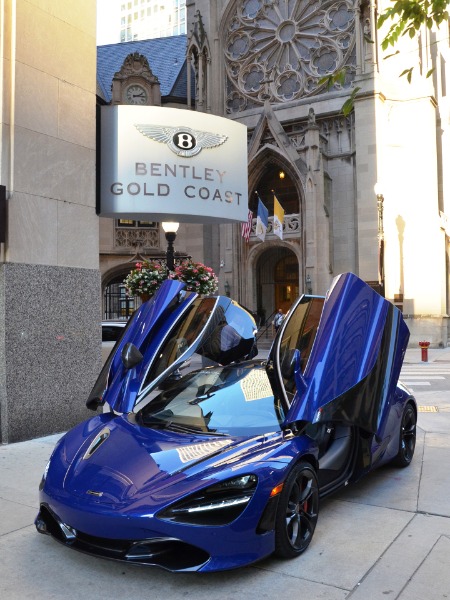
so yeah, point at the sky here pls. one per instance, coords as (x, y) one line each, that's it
(108, 21)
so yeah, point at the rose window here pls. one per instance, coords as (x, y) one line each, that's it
(280, 49)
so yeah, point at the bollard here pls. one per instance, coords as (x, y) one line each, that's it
(424, 348)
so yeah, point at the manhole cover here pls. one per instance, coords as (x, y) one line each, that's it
(428, 409)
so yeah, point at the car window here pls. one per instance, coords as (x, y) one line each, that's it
(298, 334)
(235, 400)
(181, 337)
(207, 334)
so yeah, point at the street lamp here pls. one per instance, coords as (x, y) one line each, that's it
(170, 229)
(380, 209)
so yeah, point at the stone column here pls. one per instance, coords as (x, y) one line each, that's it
(50, 341)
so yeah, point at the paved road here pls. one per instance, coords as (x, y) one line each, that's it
(427, 376)
(386, 538)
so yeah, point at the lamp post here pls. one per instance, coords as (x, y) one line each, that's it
(170, 229)
(380, 209)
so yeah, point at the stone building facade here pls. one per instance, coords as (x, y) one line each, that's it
(367, 192)
(265, 64)
(50, 348)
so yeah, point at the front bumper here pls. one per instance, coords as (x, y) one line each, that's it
(169, 553)
(146, 540)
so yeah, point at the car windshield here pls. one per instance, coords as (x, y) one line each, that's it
(236, 400)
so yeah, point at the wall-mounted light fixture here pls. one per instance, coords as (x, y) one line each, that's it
(281, 174)
(227, 288)
(308, 284)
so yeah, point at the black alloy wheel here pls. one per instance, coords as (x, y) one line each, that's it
(298, 510)
(407, 441)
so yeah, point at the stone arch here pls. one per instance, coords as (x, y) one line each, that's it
(262, 294)
(115, 304)
(272, 155)
(114, 273)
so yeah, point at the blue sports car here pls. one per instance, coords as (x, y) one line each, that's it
(205, 458)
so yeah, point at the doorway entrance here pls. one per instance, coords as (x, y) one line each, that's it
(277, 281)
(286, 282)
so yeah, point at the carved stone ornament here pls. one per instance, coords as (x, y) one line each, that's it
(135, 82)
(198, 31)
(290, 43)
(136, 65)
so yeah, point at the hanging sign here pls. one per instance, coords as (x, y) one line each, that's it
(168, 164)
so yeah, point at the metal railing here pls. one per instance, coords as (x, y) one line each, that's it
(266, 329)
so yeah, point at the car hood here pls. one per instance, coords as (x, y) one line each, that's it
(162, 335)
(118, 463)
(354, 362)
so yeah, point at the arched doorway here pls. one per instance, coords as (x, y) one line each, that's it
(274, 179)
(286, 282)
(277, 280)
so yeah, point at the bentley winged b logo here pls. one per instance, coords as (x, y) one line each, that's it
(183, 141)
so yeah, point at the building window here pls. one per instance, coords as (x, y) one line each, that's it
(132, 223)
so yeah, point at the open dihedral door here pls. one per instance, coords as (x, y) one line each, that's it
(163, 335)
(355, 362)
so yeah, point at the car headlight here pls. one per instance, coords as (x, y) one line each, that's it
(218, 504)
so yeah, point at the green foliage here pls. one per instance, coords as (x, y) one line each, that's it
(409, 16)
(408, 73)
(347, 107)
(338, 77)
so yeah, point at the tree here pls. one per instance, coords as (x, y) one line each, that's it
(409, 16)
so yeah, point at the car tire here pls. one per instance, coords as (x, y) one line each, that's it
(297, 513)
(407, 437)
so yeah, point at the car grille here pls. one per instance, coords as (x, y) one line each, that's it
(169, 553)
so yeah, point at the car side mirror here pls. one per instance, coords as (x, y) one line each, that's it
(300, 381)
(131, 356)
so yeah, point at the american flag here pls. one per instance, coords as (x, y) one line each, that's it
(247, 227)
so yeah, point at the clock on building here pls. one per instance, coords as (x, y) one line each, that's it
(136, 94)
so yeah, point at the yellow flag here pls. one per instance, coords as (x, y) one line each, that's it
(278, 218)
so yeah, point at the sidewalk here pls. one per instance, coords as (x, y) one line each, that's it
(387, 537)
(414, 355)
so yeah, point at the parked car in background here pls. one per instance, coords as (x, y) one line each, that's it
(208, 459)
(111, 332)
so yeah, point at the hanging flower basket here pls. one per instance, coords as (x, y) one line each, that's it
(145, 279)
(197, 277)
